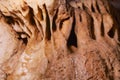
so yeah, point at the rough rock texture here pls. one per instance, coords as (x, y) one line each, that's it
(59, 40)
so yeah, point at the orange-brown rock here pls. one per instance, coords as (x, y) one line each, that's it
(59, 40)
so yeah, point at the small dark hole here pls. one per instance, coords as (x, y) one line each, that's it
(25, 40)
(78, 7)
(111, 32)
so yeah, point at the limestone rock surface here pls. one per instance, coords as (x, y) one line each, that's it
(59, 40)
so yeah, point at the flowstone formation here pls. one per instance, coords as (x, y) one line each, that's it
(59, 40)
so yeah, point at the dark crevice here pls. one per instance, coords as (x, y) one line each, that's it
(80, 18)
(102, 29)
(116, 16)
(110, 76)
(92, 8)
(84, 7)
(31, 16)
(92, 30)
(9, 19)
(115, 13)
(17, 18)
(72, 40)
(67, 6)
(79, 7)
(48, 32)
(25, 40)
(97, 7)
(61, 22)
(111, 33)
(54, 27)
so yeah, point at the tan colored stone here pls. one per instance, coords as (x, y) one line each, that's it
(59, 40)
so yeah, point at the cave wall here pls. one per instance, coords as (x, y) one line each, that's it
(59, 40)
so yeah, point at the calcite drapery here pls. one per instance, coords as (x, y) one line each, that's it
(59, 40)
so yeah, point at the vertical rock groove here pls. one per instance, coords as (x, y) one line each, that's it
(72, 40)
(48, 31)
